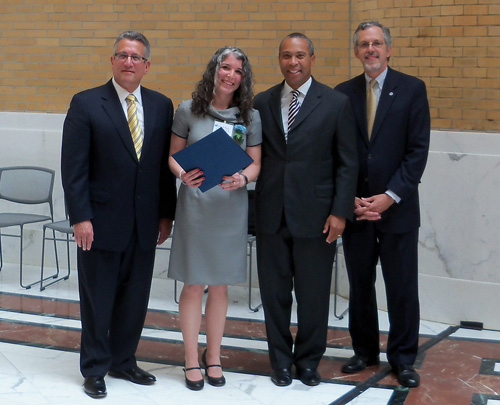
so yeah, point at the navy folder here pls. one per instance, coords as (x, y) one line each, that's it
(217, 155)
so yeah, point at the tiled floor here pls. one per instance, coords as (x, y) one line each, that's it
(39, 341)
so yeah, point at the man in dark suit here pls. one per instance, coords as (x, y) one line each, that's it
(304, 194)
(393, 144)
(121, 200)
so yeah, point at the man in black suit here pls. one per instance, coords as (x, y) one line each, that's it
(393, 144)
(121, 200)
(304, 194)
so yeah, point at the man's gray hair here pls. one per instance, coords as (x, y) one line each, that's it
(134, 36)
(367, 24)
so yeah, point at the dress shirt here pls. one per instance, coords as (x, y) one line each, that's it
(122, 95)
(377, 89)
(286, 98)
(380, 79)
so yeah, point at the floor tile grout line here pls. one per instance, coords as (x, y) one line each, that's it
(175, 337)
(370, 382)
(151, 310)
(438, 338)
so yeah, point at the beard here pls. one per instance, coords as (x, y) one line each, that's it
(372, 67)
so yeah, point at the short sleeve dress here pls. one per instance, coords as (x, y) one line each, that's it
(209, 241)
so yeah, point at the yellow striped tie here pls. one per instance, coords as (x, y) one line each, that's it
(133, 124)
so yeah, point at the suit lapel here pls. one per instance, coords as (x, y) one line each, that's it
(275, 107)
(274, 104)
(359, 106)
(312, 100)
(114, 110)
(387, 97)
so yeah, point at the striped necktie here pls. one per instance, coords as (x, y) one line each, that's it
(133, 124)
(371, 106)
(294, 108)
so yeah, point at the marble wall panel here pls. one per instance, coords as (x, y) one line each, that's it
(459, 257)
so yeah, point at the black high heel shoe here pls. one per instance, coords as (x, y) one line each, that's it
(193, 385)
(215, 381)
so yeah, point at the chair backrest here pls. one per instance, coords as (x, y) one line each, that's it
(27, 185)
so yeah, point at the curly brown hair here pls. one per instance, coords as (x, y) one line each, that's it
(204, 92)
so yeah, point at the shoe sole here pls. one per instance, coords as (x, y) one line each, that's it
(368, 364)
(124, 377)
(199, 388)
(310, 384)
(280, 384)
(96, 396)
(216, 384)
(409, 385)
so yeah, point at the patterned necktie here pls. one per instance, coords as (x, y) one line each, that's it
(294, 108)
(133, 124)
(371, 106)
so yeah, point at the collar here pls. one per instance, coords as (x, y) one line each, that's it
(302, 89)
(380, 78)
(122, 93)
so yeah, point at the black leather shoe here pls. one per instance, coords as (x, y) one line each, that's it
(135, 375)
(281, 377)
(192, 384)
(407, 376)
(215, 381)
(95, 387)
(358, 363)
(309, 376)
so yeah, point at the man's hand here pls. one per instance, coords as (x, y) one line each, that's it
(164, 231)
(371, 208)
(334, 226)
(84, 234)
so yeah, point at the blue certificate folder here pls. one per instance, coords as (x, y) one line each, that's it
(217, 155)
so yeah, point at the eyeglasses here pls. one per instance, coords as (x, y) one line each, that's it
(366, 45)
(122, 57)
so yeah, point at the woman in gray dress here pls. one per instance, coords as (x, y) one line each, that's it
(210, 236)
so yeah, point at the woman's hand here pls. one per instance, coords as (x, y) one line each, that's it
(233, 182)
(193, 178)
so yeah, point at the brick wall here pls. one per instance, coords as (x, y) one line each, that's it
(454, 46)
(50, 49)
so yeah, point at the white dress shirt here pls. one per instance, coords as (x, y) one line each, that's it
(377, 89)
(286, 98)
(122, 95)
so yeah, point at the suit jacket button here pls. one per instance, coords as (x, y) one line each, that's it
(369, 156)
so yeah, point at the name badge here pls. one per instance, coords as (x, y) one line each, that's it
(226, 126)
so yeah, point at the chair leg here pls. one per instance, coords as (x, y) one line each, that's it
(69, 259)
(335, 288)
(1, 258)
(250, 255)
(42, 286)
(55, 253)
(28, 286)
(43, 259)
(175, 292)
(21, 261)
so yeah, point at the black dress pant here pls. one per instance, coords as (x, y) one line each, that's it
(305, 265)
(114, 293)
(364, 244)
